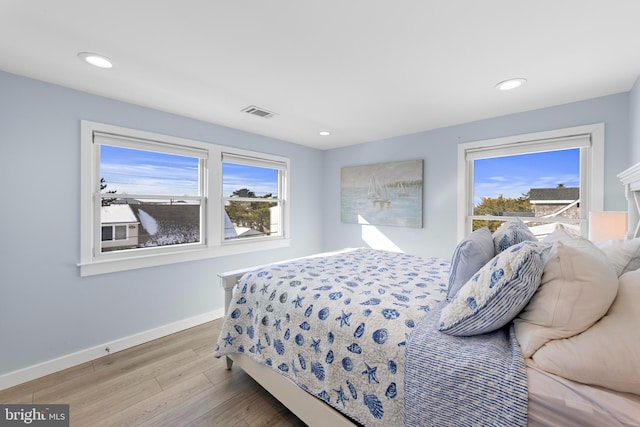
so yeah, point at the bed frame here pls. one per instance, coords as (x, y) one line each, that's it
(630, 178)
(315, 412)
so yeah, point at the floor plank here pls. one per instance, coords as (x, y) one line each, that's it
(172, 381)
(156, 406)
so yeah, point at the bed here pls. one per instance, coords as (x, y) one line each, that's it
(509, 331)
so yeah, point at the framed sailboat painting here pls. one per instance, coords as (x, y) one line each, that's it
(382, 194)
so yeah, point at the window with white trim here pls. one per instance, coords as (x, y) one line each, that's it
(547, 179)
(150, 199)
(252, 197)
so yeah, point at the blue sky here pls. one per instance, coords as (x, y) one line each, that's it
(259, 180)
(513, 176)
(145, 172)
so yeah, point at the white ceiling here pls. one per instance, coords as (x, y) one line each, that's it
(364, 69)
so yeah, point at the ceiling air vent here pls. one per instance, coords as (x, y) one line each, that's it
(257, 111)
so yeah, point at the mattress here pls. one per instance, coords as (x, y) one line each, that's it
(556, 401)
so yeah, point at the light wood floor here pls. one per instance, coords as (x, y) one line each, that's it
(172, 381)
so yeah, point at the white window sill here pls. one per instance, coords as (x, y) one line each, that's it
(102, 266)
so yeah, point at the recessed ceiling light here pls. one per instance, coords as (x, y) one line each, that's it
(95, 59)
(325, 133)
(511, 84)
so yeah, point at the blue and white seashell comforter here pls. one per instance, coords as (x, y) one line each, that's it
(337, 325)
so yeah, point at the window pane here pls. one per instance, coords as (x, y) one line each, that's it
(543, 185)
(107, 233)
(250, 218)
(125, 170)
(249, 181)
(151, 223)
(121, 232)
(142, 221)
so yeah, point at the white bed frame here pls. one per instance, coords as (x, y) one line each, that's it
(630, 178)
(315, 412)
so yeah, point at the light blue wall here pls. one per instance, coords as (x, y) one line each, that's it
(46, 309)
(634, 123)
(438, 148)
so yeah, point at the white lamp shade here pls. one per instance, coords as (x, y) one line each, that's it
(607, 225)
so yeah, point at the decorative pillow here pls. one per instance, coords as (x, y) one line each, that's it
(559, 235)
(608, 353)
(510, 233)
(578, 287)
(623, 254)
(496, 293)
(470, 255)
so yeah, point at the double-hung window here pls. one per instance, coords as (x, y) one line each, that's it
(252, 196)
(154, 189)
(546, 179)
(150, 199)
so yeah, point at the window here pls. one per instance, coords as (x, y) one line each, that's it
(252, 201)
(150, 199)
(158, 189)
(545, 179)
(114, 232)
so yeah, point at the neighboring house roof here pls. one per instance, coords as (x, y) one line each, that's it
(126, 201)
(554, 195)
(167, 224)
(117, 214)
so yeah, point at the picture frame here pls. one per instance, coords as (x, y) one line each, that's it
(383, 194)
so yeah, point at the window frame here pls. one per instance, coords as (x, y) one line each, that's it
(591, 167)
(234, 158)
(212, 242)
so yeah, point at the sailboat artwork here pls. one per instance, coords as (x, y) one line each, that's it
(378, 194)
(402, 190)
(382, 194)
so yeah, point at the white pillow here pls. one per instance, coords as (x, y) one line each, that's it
(497, 292)
(608, 353)
(623, 254)
(577, 288)
(559, 235)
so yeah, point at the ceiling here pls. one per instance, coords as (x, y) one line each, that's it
(363, 69)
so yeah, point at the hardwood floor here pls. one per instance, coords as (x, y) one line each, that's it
(172, 381)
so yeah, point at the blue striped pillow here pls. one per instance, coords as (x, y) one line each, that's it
(497, 292)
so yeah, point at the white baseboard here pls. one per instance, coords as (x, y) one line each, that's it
(67, 361)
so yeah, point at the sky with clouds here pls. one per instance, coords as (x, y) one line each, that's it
(514, 176)
(144, 172)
